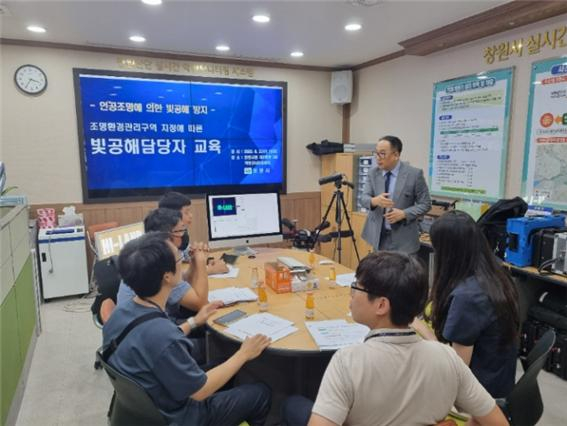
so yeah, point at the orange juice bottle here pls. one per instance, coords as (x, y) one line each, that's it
(332, 278)
(311, 259)
(262, 297)
(310, 306)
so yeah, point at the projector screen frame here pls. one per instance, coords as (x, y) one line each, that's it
(150, 194)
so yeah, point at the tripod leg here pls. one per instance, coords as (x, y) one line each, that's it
(350, 228)
(339, 220)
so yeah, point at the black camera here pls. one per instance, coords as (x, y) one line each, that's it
(303, 239)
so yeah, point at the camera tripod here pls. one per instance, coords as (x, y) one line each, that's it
(339, 201)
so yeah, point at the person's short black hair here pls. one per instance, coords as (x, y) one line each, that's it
(144, 261)
(395, 142)
(400, 278)
(174, 200)
(161, 220)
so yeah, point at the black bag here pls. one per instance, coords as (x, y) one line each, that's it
(325, 147)
(493, 222)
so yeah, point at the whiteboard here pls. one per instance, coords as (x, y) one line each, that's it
(469, 135)
(544, 179)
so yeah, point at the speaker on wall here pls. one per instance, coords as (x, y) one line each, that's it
(341, 87)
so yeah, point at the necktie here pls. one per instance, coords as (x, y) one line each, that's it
(387, 185)
(386, 189)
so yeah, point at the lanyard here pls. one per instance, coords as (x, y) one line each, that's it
(151, 302)
(392, 334)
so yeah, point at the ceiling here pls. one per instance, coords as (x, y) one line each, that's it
(196, 27)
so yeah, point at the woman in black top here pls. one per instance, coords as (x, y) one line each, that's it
(474, 302)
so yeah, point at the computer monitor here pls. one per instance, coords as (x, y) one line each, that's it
(237, 220)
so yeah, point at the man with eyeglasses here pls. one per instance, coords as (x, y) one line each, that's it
(396, 195)
(191, 296)
(394, 377)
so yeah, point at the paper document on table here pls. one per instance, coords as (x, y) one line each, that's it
(345, 280)
(232, 295)
(267, 324)
(232, 273)
(336, 334)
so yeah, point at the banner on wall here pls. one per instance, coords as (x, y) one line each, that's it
(545, 155)
(469, 135)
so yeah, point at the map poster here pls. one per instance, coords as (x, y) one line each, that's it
(545, 154)
(469, 135)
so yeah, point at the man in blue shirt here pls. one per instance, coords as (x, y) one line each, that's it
(157, 355)
(190, 296)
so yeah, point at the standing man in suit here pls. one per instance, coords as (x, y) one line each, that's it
(395, 194)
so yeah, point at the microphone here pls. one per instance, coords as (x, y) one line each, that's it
(331, 178)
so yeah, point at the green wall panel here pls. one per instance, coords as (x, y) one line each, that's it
(25, 306)
(11, 360)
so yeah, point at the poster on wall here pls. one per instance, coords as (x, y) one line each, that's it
(469, 135)
(545, 154)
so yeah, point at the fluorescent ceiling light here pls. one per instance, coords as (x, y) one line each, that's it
(353, 27)
(36, 29)
(137, 38)
(152, 2)
(222, 48)
(296, 54)
(261, 19)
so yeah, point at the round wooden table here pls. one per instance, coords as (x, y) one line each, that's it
(330, 303)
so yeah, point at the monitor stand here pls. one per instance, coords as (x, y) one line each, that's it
(244, 251)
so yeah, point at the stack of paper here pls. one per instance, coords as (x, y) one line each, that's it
(267, 324)
(336, 334)
(345, 280)
(232, 295)
(232, 273)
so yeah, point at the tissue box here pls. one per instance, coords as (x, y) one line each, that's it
(71, 219)
(278, 277)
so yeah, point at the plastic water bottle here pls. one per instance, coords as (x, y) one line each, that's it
(332, 278)
(254, 278)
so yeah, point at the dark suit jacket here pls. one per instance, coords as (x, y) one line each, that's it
(410, 195)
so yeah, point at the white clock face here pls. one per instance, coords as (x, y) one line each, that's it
(31, 79)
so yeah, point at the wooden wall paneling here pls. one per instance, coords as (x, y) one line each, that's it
(303, 206)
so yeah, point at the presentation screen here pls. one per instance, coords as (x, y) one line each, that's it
(143, 134)
(241, 219)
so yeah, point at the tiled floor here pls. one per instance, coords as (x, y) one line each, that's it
(64, 389)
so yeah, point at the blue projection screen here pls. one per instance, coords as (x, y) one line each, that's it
(143, 134)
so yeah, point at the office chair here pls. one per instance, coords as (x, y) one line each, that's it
(108, 279)
(91, 231)
(524, 405)
(130, 404)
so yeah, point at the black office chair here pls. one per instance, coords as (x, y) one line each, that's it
(130, 404)
(107, 280)
(524, 405)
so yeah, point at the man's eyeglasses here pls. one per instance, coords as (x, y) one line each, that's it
(179, 259)
(178, 232)
(381, 154)
(354, 287)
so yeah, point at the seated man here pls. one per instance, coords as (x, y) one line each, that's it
(191, 297)
(394, 377)
(157, 355)
(182, 203)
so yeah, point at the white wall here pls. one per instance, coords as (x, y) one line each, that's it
(396, 97)
(39, 142)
